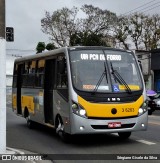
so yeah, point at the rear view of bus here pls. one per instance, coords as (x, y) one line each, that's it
(107, 91)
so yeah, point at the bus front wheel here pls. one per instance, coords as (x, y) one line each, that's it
(60, 130)
(124, 135)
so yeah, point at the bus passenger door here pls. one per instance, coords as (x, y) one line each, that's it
(61, 93)
(19, 85)
(48, 90)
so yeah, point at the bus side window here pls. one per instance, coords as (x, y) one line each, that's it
(33, 67)
(62, 81)
(26, 68)
(31, 74)
(62, 77)
(25, 75)
(40, 73)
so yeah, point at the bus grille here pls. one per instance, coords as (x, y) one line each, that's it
(103, 127)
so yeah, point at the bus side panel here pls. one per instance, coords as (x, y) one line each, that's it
(32, 99)
(14, 99)
(62, 108)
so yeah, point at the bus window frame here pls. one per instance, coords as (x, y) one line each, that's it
(39, 73)
(60, 90)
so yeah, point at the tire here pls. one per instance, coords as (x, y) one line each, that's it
(30, 123)
(124, 135)
(60, 131)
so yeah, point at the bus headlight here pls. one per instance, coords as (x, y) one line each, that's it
(79, 110)
(143, 108)
(140, 111)
(82, 112)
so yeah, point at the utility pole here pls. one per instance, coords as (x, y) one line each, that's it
(2, 79)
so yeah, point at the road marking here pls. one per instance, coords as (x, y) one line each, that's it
(15, 150)
(155, 123)
(146, 142)
(116, 134)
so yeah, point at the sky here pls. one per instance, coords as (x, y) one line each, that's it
(25, 16)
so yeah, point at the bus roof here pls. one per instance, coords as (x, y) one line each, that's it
(64, 49)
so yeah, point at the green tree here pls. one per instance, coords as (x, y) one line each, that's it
(101, 27)
(50, 46)
(60, 25)
(64, 24)
(147, 32)
(40, 47)
(141, 29)
(155, 31)
(136, 28)
(87, 39)
(144, 31)
(97, 21)
(120, 30)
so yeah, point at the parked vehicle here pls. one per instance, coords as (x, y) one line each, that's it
(153, 101)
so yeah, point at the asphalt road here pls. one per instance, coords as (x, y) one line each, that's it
(44, 140)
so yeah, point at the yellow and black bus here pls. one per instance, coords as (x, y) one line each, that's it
(81, 90)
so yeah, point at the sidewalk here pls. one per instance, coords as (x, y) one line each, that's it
(12, 151)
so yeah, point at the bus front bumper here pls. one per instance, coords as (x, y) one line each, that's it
(82, 125)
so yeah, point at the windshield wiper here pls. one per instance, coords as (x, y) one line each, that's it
(119, 78)
(100, 79)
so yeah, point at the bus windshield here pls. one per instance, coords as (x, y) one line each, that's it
(104, 71)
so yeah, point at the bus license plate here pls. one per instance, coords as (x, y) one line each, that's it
(114, 124)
